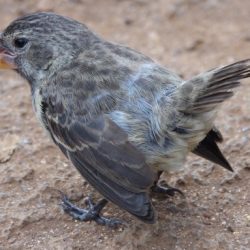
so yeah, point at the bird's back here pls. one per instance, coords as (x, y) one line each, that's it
(128, 87)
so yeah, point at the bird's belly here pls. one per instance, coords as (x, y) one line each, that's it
(168, 164)
(169, 159)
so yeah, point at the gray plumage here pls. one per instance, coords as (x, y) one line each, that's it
(115, 113)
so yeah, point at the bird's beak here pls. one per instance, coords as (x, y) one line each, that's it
(7, 58)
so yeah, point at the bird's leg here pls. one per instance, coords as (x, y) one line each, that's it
(91, 213)
(161, 187)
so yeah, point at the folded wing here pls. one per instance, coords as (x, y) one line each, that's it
(100, 150)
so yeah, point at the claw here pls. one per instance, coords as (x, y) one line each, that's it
(166, 189)
(89, 202)
(92, 213)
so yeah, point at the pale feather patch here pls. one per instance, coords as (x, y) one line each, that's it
(37, 105)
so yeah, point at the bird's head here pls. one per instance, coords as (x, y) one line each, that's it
(41, 43)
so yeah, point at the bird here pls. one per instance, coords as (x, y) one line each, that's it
(121, 118)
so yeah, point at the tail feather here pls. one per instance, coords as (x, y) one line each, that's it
(209, 149)
(206, 91)
(239, 70)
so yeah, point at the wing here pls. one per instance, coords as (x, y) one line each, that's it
(100, 150)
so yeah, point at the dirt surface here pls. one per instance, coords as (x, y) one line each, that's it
(189, 36)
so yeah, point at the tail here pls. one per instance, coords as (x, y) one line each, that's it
(209, 149)
(200, 99)
(207, 91)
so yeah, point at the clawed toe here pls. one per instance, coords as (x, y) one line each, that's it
(91, 213)
(164, 188)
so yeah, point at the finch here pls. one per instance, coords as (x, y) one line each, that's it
(119, 117)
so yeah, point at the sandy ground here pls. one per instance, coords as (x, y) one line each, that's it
(188, 36)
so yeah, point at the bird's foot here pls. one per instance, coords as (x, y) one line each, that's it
(163, 188)
(91, 213)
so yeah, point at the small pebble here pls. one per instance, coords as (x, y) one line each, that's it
(230, 229)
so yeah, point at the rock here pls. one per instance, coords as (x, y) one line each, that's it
(8, 146)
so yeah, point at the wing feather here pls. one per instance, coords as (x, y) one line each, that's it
(100, 150)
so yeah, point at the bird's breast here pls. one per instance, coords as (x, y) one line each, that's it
(37, 106)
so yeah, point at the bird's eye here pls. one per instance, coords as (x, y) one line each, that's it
(20, 42)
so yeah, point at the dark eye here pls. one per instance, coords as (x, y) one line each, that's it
(20, 42)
